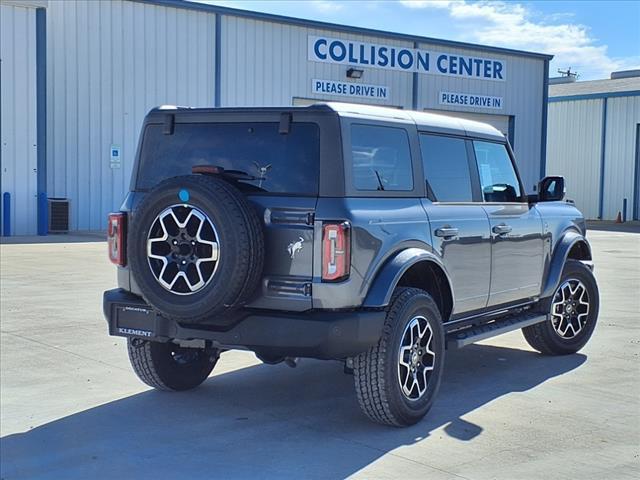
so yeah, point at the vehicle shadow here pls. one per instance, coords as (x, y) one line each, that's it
(264, 421)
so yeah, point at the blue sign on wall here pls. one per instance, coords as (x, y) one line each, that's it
(349, 89)
(391, 57)
(470, 100)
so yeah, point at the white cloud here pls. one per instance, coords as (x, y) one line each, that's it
(513, 25)
(326, 6)
(426, 3)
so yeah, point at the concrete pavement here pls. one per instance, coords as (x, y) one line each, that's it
(72, 408)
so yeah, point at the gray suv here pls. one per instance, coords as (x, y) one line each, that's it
(376, 237)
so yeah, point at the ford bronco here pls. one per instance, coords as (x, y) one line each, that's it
(373, 236)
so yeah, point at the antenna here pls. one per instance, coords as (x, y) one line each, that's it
(568, 73)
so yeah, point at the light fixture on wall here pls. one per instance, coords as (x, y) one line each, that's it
(354, 73)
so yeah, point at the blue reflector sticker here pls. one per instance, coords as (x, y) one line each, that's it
(183, 195)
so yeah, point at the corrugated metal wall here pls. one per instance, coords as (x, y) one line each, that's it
(265, 63)
(623, 114)
(574, 150)
(522, 98)
(108, 64)
(18, 115)
(574, 139)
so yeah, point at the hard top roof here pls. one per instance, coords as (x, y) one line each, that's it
(423, 120)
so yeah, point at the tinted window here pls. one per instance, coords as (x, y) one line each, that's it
(497, 177)
(446, 168)
(381, 158)
(273, 162)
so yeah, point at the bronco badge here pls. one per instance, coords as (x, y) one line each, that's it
(295, 247)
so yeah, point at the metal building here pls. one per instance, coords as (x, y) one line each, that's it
(593, 140)
(83, 79)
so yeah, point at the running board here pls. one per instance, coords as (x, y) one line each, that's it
(469, 335)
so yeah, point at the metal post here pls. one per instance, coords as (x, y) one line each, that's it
(6, 214)
(43, 214)
(624, 210)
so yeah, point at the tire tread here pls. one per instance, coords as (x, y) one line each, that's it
(369, 367)
(144, 366)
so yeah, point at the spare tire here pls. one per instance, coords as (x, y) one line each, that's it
(196, 248)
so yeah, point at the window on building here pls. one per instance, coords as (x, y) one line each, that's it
(498, 178)
(381, 158)
(446, 168)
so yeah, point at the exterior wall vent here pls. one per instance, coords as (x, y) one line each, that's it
(58, 215)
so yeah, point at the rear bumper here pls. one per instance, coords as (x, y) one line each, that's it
(316, 334)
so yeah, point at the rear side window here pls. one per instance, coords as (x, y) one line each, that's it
(446, 168)
(272, 162)
(381, 159)
(498, 178)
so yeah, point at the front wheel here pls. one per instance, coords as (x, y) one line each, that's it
(573, 312)
(397, 379)
(167, 366)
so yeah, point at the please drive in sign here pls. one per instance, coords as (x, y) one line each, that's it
(349, 89)
(469, 100)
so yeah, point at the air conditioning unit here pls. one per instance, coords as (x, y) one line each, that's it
(58, 215)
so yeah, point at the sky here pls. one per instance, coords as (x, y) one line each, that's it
(593, 38)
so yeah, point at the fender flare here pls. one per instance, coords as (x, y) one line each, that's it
(387, 278)
(559, 258)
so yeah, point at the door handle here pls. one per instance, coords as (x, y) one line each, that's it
(501, 229)
(446, 232)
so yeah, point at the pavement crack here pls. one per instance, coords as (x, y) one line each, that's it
(84, 357)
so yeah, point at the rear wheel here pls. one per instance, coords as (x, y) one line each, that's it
(167, 366)
(397, 380)
(573, 312)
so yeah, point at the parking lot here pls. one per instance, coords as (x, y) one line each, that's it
(72, 407)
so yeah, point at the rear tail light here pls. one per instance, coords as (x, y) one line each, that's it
(116, 227)
(336, 251)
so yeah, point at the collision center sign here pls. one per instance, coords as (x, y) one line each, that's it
(348, 89)
(360, 54)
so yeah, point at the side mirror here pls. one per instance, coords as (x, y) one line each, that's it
(551, 189)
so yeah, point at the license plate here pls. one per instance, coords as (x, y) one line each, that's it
(134, 321)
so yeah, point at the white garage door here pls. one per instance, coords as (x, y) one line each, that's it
(501, 122)
(18, 115)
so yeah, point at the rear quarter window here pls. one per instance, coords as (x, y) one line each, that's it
(381, 158)
(279, 163)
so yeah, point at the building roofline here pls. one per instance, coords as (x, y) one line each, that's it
(335, 26)
(592, 96)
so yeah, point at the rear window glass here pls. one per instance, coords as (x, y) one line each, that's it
(273, 162)
(381, 159)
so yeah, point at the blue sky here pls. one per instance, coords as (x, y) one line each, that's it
(593, 38)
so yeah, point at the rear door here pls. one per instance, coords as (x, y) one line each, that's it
(458, 222)
(275, 166)
(516, 228)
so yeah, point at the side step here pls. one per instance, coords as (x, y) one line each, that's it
(469, 335)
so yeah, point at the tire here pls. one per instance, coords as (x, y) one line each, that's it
(181, 220)
(167, 366)
(378, 372)
(547, 337)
